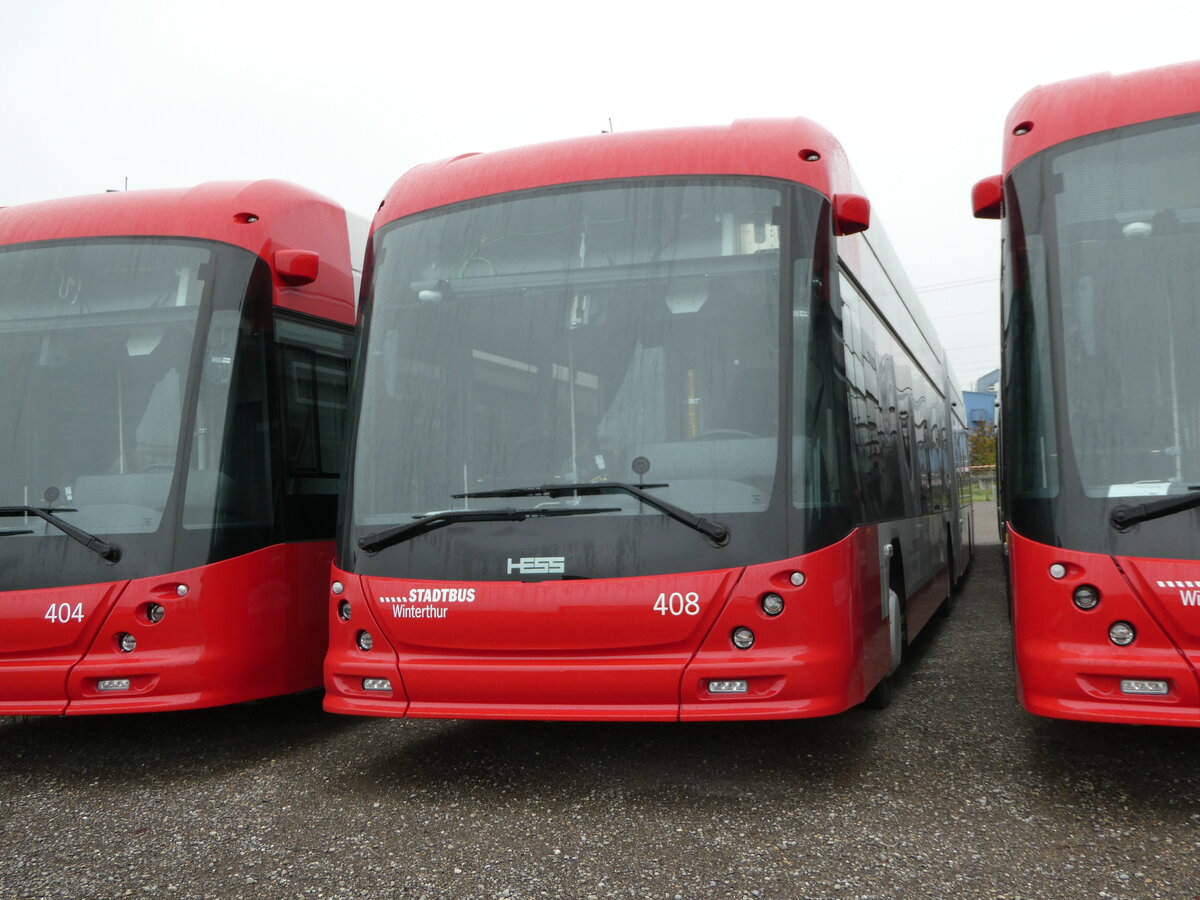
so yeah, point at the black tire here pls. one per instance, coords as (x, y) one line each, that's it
(947, 606)
(881, 695)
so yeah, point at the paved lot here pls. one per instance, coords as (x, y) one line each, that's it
(952, 792)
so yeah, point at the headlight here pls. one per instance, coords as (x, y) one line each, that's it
(1121, 633)
(742, 637)
(1086, 596)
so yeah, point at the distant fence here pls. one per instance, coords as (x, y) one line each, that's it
(983, 482)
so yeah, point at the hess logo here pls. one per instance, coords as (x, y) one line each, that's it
(538, 565)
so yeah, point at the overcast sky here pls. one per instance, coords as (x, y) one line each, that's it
(345, 96)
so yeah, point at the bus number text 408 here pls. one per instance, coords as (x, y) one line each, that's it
(677, 604)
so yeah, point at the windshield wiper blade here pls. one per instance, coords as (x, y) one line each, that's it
(373, 543)
(11, 531)
(107, 551)
(1123, 517)
(715, 531)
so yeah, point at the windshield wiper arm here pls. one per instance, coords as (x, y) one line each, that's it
(713, 530)
(11, 531)
(1123, 517)
(102, 548)
(372, 543)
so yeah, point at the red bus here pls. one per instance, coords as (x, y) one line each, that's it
(1100, 467)
(173, 374)
(644, 428)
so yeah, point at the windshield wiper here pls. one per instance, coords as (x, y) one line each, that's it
(715, 531)
(107, 551)
(372, 543)
(1123, 517)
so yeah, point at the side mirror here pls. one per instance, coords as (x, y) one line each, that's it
(851, 213)
(987, 198)
(297, 267)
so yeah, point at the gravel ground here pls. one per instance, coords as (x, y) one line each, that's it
(953, 791)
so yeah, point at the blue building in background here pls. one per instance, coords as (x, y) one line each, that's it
(980, 404)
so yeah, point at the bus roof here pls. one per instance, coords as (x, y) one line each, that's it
(261, 216)
(773, 148)
(1052, 113)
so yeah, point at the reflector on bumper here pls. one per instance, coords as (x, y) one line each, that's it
(731, 686)
(1153, 687)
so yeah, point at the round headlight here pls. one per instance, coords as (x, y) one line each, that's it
(742, 637)
(126, 642)
(365, 641)
(344, 610)
(155, 612)
(772, 604)
(798, 579)
(1086, 596)
(337, 587)
(1058, 570)
(1121, 633)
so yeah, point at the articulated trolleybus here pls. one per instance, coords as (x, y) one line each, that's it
(173, 373)
(1101, 436)
(644, 429)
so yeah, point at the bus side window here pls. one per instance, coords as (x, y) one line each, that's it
(314, 382)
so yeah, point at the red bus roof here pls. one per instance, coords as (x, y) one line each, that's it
(773, 148)
(260, 216)
(1053, 113)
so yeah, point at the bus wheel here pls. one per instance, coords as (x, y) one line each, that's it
(947, 605)
(881, 696)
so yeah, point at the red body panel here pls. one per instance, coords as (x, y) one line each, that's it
(600, 650)
(1051, 114)
(247, 628)
(736, 149)
(260, 216)
(45, 634)
(1067, 667)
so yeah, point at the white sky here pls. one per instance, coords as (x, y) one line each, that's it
(343, 97)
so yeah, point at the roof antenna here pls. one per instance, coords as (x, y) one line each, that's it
(610, 128)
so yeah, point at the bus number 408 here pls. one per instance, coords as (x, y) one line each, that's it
(678, 604)
(64, 612)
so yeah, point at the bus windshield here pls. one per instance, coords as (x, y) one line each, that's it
(95, 343)
(102, 417)
(616, 332)
(1108, 261)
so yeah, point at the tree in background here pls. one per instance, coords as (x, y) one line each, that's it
(981, 445)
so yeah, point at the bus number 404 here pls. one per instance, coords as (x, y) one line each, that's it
(678, 604)
(64, 612)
